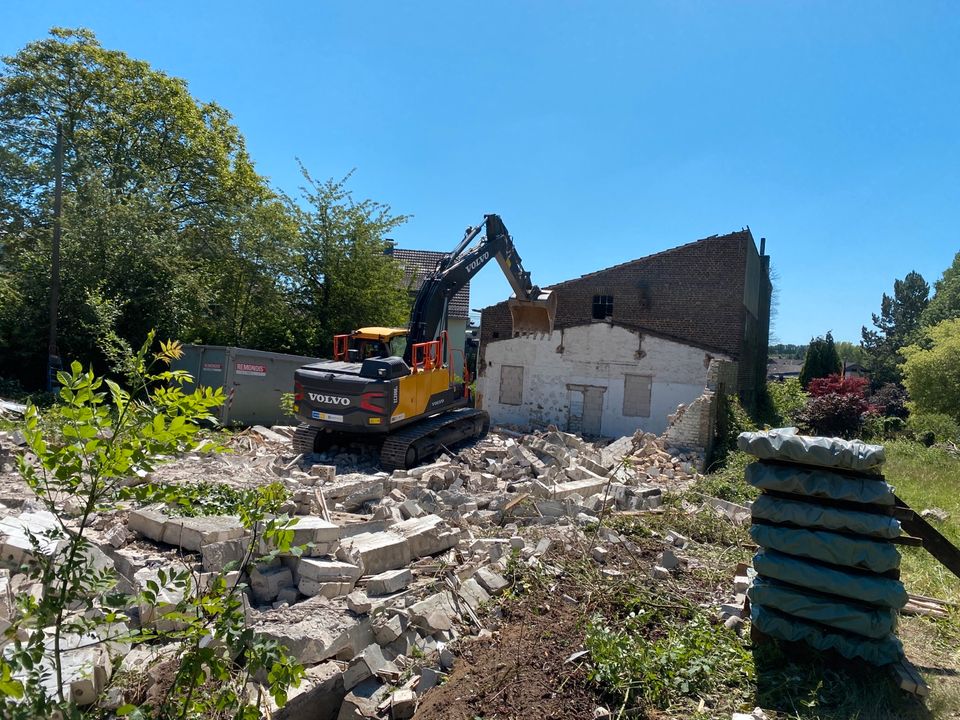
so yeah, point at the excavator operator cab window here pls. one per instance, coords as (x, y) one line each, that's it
(398, 346)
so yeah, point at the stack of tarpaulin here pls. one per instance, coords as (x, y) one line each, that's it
(827, 569)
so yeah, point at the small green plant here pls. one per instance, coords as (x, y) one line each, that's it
(288, 403)
(685, 657)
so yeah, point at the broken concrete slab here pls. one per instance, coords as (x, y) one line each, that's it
(316, 629)
(217, 556)
(329, 578)
(370, 662)
(403, 704)
(191, 533)
(362, 702)
(267, 582)
(434, 613)
(474, 595)
(389, 582)
(318, 696)
(375, 553)
(428, 535)
(387, 628)
(492, 582)
(19, 532)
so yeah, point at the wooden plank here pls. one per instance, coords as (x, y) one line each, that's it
(912, 608)
(933, 542)
(903, 678)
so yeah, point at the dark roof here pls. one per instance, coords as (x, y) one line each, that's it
(417, 264)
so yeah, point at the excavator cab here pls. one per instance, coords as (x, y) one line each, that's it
(370, 342)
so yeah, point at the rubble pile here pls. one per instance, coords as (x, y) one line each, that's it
(390, 569)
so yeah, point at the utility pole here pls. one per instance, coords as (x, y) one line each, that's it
(53, 355)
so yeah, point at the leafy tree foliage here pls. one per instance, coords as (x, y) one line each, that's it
(166, 223)
(931, 371)
(821, 360)
(788, 398)
(343, 279)
(945, 303)
(890, 400)
(896, 326)
(838, 385)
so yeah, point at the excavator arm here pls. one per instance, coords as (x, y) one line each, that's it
(532, 309)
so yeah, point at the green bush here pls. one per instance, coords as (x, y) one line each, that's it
(788, 398)
(731, 421)
(936, 427)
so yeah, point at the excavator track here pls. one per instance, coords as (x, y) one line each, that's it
(305, 439)
(413, 444)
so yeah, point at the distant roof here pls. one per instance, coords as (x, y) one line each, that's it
(417, 264)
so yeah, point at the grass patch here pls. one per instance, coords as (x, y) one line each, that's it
(927, 478)
(727, 482)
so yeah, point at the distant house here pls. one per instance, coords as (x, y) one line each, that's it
(855, 370)
(417, 264)
(783, 368)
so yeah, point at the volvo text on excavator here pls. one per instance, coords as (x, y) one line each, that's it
(398, 384)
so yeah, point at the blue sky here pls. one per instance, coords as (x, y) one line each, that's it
(600, 131)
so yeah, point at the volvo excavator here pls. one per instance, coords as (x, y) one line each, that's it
(397, 385)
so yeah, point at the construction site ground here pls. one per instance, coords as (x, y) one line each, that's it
(623, 599)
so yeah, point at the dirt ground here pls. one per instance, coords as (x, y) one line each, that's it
(523, 673)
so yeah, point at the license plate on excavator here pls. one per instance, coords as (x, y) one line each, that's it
(329, 417)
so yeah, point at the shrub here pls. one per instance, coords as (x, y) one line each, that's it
(731, 421)
(836, 385)
(935, 427)
(833, 415)
(890, 400)
(931, 373)
(788, 398)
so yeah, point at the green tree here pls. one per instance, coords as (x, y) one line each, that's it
(821, 359)
(851, 352)
(344, 278)
(896, 326)
(945, 303)
(164, 214)
(931, 371)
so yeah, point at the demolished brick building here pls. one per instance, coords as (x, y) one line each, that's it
(633, 342)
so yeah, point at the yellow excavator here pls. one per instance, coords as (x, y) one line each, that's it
(398, 384)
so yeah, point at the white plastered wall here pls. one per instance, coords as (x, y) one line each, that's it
(599, 355)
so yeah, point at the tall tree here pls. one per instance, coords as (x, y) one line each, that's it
(164, 215)
(945, 303)
(344, 278)
(821, 361)
(932, 371)
(896, 326)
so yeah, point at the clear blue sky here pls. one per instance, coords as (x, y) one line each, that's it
(600, 131)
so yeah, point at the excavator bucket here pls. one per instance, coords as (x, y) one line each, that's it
(533, 316)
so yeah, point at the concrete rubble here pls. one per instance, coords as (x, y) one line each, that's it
(392, 568)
